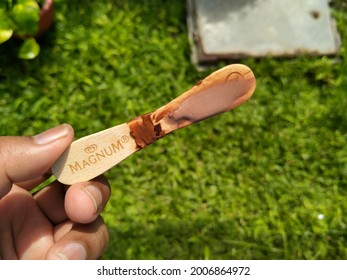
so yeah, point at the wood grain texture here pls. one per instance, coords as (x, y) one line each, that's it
(92, 155)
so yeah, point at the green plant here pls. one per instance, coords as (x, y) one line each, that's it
(20, 18)
(267, 180)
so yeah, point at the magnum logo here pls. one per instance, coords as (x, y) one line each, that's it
(95, 155)
(91, 149)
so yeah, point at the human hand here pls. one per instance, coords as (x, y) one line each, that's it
(57, 222)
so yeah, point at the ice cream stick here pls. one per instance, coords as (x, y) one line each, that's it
(94, 154)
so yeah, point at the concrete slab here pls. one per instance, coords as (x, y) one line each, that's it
(222, 29)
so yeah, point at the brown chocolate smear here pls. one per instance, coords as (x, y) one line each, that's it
(209, 102)
(218, 93)
(143, 130)
(203, 102)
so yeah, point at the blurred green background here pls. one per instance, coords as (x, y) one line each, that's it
(264, 181)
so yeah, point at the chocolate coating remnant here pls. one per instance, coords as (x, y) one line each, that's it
(144, 131)
(220, 92)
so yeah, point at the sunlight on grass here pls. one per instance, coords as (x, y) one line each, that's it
(265, 181)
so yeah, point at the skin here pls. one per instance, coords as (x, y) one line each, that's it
(57, 222)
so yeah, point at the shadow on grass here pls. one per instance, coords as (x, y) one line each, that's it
(188, 239)
(196, 239)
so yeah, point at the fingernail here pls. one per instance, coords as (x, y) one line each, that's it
(72, 251)
(95, 195)
(52, 134)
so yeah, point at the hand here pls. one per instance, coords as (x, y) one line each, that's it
(57, 222)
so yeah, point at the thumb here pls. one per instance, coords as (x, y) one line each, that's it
(26, 158)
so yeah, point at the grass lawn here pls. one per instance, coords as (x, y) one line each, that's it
(267, 180)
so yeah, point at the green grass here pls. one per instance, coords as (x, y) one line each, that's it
(249, 184)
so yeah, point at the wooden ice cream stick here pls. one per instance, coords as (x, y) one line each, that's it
(94, 154)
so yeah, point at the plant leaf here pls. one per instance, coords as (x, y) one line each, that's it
(29, 49)
(5, 20)
(26, 15)
(5, 35)
(6, 30)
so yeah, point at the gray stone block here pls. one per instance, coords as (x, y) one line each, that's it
(222, 29)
